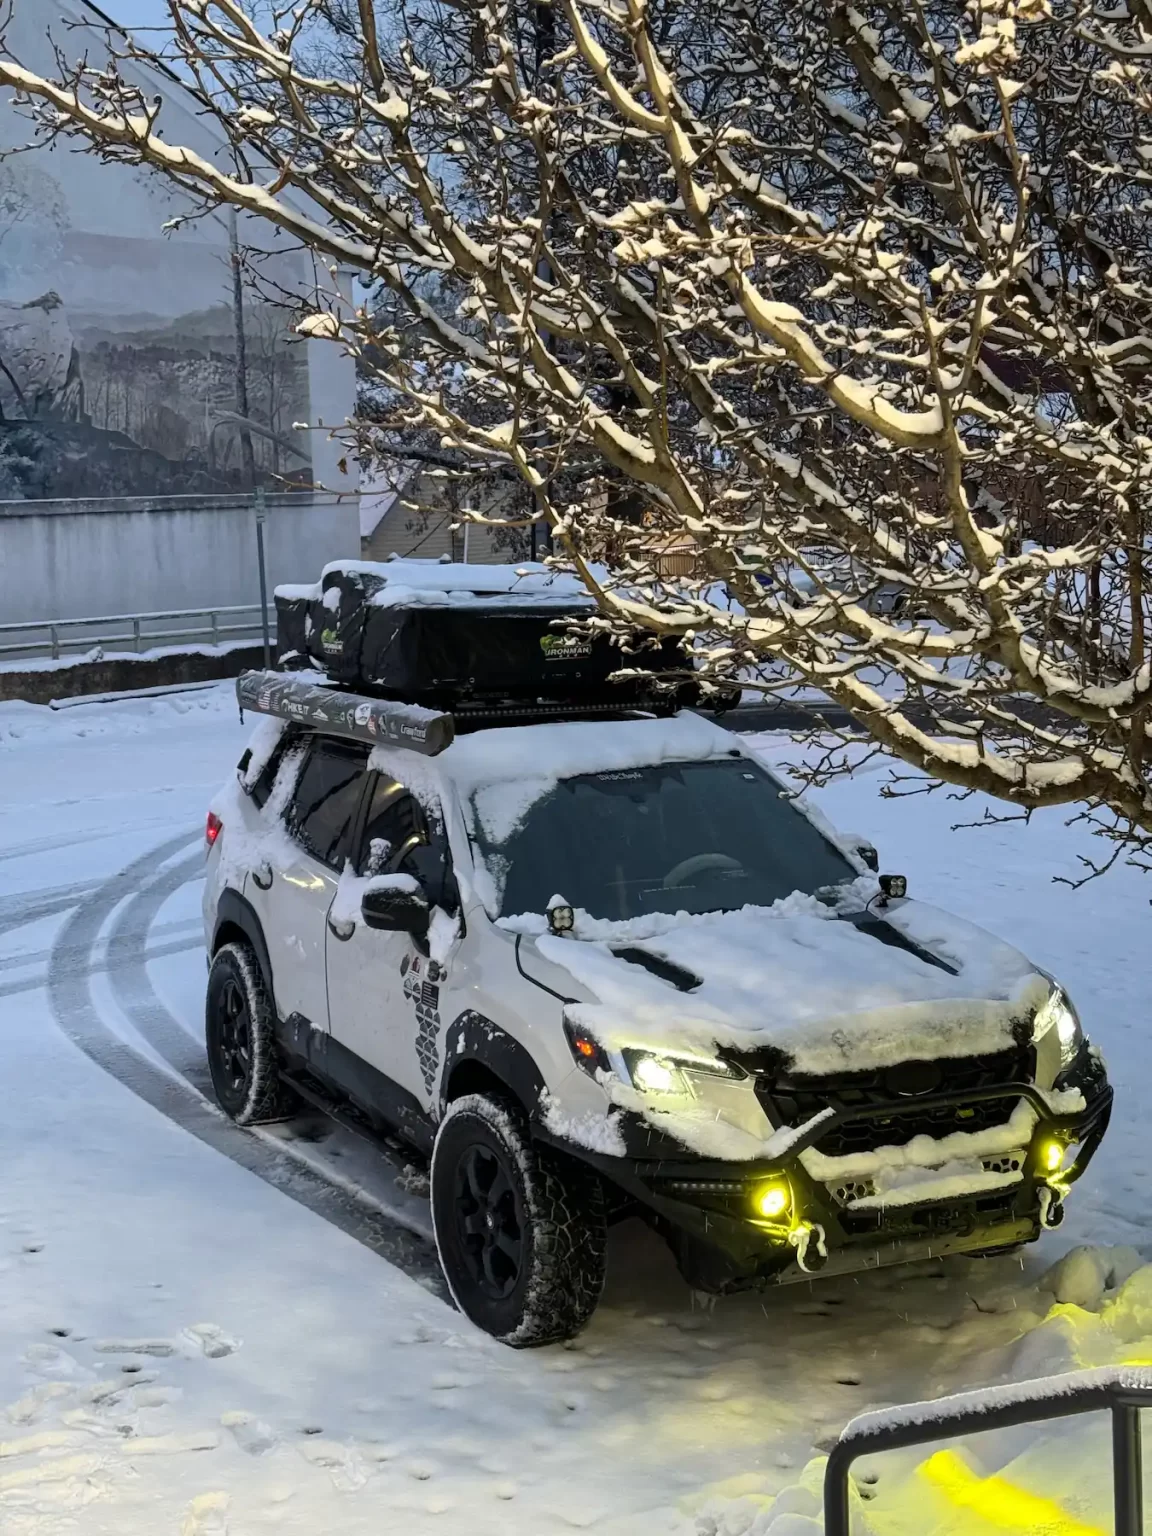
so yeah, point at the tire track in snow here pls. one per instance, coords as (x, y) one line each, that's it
(131, 985)
(93, 968)
(76, 1013)
(32, 906)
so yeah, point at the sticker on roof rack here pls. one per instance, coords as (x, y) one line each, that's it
(371, 720)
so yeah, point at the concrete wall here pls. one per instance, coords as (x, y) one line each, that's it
(80, 559)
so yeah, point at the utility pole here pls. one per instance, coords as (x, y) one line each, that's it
(248, 457)
(261, 513)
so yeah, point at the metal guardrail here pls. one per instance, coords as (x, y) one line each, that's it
(1120, 1390)
(134, 632)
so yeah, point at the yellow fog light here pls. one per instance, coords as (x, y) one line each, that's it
(1051, 1155)
(772, 1200)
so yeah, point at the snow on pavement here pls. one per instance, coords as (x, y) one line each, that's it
(199, 1333)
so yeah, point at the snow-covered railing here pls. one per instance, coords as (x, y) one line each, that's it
(135, 632)
(1120, 1390)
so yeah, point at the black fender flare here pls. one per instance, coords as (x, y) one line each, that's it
(471, 1037)
(233, 911)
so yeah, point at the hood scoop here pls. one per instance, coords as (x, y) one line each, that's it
(667, 970)
(877, 928)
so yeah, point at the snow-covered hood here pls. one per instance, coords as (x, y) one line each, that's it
(802, 979)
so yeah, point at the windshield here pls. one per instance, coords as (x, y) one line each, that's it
(679, 837)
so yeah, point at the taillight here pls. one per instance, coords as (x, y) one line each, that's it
(213, 828)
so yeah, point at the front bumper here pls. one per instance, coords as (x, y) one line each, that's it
(706, 1208)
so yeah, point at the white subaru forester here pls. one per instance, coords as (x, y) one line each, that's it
(601, 967)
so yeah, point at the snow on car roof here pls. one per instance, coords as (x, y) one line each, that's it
(564, 749)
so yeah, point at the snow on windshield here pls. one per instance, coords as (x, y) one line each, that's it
(676, 837)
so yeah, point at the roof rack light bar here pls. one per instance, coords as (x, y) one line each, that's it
(379, 722)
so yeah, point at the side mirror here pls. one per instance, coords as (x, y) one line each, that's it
(396, 909)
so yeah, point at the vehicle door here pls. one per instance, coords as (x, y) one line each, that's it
(299, 882)
(383, 988)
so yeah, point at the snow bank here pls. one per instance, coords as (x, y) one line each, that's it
(98, 653)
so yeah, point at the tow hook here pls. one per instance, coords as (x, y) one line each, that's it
(810, 1257)
(1051, 1207)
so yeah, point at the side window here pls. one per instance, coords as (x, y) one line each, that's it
(400, 838)
(395, 826)
(261, 789)
(327, 797)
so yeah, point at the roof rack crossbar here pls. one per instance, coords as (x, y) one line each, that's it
(379, 722)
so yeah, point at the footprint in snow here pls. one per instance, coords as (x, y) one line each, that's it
(211, 1340)
(109, 1391)
(161, 1349)
(207, 1515)
(27, 1409)
(338, 1460)
(47, 1360)
(172, 1445)
(251, 1434)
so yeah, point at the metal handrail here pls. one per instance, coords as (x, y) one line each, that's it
(129, 629)
(1122, 1390)
(127, 618)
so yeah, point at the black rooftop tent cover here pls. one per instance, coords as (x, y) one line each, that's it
(468, 648)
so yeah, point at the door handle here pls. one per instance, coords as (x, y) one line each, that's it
(338, 933)
(262, 877)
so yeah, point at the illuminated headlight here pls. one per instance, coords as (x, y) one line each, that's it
(1058, 1014)
(658, 1072)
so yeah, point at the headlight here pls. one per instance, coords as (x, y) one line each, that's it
(1058, 1014)
(659, 1072)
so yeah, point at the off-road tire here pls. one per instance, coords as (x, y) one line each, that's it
(240, 1037)
(558, 1206)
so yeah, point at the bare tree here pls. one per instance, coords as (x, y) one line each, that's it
(847, 292)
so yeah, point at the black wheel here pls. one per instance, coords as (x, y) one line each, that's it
(520, 1229)
(239, 1030)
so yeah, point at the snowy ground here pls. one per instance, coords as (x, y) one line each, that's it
(205, 1331)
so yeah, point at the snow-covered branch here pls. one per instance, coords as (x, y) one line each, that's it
(847, 304)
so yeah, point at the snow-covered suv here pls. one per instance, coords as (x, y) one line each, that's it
(601, 967)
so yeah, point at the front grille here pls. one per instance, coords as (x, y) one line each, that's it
(845, 1191)
(944, 1219)
(791, 1099)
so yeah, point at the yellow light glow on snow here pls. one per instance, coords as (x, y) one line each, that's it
(1002, 1504)
(772, 1201)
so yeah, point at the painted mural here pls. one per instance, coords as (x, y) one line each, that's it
(118, 342)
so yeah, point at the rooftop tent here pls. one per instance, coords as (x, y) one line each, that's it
(447, 635)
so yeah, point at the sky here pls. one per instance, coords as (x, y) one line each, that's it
(135, 13)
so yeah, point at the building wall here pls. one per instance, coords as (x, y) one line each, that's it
(117, 335)
(419, 523)
(80, 559)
